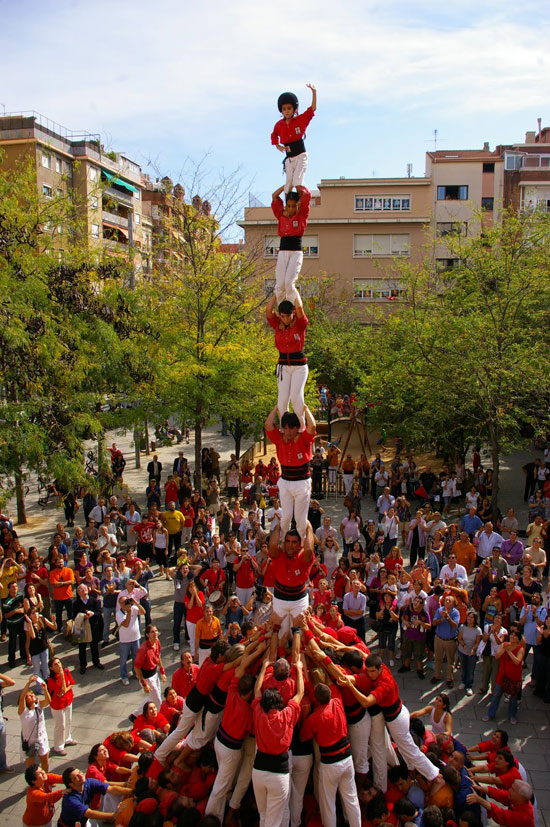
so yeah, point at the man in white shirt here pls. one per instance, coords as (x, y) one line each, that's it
(390, 526)
(436, 524)
(129, 632)
(106, 542)
(98, 512)
(381, 479)
(274, 514)
(325, 530)
(384, 502)
(488, 539)
(454, 571)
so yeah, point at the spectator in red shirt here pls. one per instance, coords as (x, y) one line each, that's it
(517, 800)
(185, 677)
(172, 704)
(512, 601)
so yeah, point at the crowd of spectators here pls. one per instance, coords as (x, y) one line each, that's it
(435, 581)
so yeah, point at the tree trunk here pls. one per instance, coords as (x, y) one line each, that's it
(137, 446)
(147, 448)
(198, 446)
(237, 436)
(495, 453)
(20, 498)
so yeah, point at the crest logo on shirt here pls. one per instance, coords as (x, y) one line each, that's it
(297, 572)
(297, 130)
(300, 456)
(294, 223)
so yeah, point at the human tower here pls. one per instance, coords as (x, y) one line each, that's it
(285, 314)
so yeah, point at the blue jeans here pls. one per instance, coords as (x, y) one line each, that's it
(40, 668)
(468, 664)
(108, 615)
(125, 650)
(179, 614)
(497, 695)
(3, 762)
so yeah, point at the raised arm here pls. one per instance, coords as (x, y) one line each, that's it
(270, 421)
(311, 426)
(298, 306)
(277, 193)
(270, 307)
(313, 95)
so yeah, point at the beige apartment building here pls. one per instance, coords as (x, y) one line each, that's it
(107, 185)
(358, 230)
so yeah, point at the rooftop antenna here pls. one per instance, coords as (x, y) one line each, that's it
(436, 138)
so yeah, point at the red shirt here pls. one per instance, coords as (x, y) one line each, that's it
(273, 473)
(327, 724)
(148, 656)
(170, 711)
(509, 600)
(287, 688)
(142, 722)
(318, 572)
(324, 599)
(296, 224)
(144, 531)
(42, 573)
(290, 339)
(274, 729)
(516, 815)
(386, 692)
(189, 514)
(245, 576)
(196, 611)
(286, 132)
(214, 579)
(209, 673)
(290, 572)
(54, 688)
(237, 716)
(261, 470)
(183, 681)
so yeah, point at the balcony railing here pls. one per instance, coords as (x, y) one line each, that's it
(113, 218)
(123, 197)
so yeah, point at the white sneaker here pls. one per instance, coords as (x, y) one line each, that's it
(125, 682)
(392, 663)
(469, 691)
(176, 647)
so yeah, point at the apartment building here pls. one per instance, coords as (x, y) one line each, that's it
(358, 231)
(107, 185)
(527, 171)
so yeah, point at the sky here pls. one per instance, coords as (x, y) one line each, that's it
(174, 83)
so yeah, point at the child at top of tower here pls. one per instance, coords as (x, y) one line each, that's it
(289, 133)
(291, 226)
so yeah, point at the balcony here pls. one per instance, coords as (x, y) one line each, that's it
(113, 218)
(123, 197)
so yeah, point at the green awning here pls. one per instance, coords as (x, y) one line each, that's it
(118, 181)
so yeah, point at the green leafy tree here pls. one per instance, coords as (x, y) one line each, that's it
(467, 358)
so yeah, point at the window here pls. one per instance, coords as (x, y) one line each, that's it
(46, 160)
(94, 202)
(488, 167)
(137, 195)
(443, 264)
(512, 162)
(380, 203)
(443, 228)
(95, 230)
(397, 244)
(47, 191)
(68, 168)
(310, 245)
(271, 245)
(93, 174)
(377, 290)
(137, 217)
(452, 193)
(59, 192)
(58, 165)
(487, 204)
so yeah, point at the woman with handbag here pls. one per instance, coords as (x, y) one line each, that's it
(34, 738)
(509, 678)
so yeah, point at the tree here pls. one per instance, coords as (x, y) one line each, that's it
(64, 340)
(205, 297)
(467, 358)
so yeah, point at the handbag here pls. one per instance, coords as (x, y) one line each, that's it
(510, 687)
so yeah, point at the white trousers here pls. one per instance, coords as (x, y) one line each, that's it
(244, 595)
(154, 694)
(186, 721)
(228, 764)
(202, 733)
(348, 482)
(191, 633)
(62, 719)
(381, 752)
(295, 170)
(359, 735)
(271, 791)
(203, 654)
(287, 270)
(412, 755)
(287, 609)
(338, 778)
(294, 496)
(299, 774)
(248, 754)
(291, 381)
